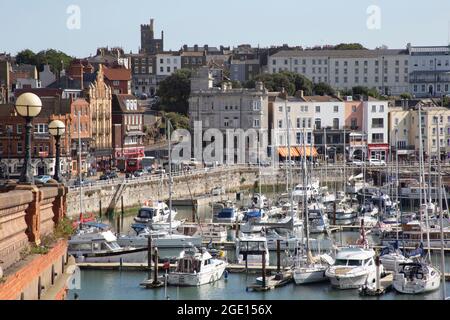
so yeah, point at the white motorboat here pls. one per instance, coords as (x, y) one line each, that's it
(103, 247)
(318, 220)
(312, 269)
(249, 250)
(154, 212)
(369, 221)
(166, 225)
(353, 268)
(345, 215)
(392, 260)
(208, 232)
(227, 215)
(196, 268)
(414, 278)
(160, 239)
(259, 201)
(311, 190)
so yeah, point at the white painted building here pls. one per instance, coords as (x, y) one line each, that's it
(430, 70)
(300, 115)
(46, 76)
(167, 63)
(385, 69)
(375, 125)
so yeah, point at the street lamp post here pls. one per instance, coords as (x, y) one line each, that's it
(57, 129)
(28, 106)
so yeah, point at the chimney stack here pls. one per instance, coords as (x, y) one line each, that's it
(151, 24)
(195, 48)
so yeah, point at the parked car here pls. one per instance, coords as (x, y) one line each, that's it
(109, 175)
(376, 162)
(42, 178)
(77, 183)
(139, 173)
(357, 162)
(159, 171)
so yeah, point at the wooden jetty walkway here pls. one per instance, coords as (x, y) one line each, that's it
(132, 266)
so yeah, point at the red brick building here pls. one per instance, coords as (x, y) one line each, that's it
(118, 78)
(12, 138)
(127, 118)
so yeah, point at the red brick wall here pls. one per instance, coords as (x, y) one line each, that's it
(26, 278)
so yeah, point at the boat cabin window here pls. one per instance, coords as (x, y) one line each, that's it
(354, 262)
(146, 213)
(188, 265)
(344, 262)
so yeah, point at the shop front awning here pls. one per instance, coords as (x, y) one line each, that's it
(284, 152)
(309, 151)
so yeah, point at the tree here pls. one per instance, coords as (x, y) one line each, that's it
(406, 96)
(57, 60)
(290, 81)
(174, 92)
(177, 120)
(26, 57)
(349, 46)
(322, 89)
(365, 91)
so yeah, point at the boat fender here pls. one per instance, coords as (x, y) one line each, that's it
(225, 274)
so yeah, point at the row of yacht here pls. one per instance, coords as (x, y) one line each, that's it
(288, 224)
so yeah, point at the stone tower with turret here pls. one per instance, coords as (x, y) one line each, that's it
(149, 44)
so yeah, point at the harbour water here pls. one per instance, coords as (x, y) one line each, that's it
(124, 285)
(116, 285)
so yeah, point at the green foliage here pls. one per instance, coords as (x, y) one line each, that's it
(236, 84)
(360, 90)
(446, 102)
(406, 95)
(178, 120)
(26, 57)
(350, 46)
(64, 229)
(323, 89)
(174, 92)
(34, 249)
(54, 58)
(290, 81)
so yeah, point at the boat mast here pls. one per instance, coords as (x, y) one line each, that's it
(397, 183)
(170, 175)
(441, 215)
(345, 171)
(288, 140)
(79, 168)
(420, 171)
(305, 205)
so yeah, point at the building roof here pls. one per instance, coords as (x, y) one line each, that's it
(54, 105)
(40, 92)
(117, 74)
(193, 54)
(119, 104)
(340, 53)
(425, 50)
(23, 68)
(321, 99)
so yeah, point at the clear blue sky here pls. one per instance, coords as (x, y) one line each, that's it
(41, 24)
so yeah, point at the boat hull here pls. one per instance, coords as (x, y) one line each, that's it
(134, 256)
(416, 286)
(161, 243)
(192, 280)
(309, 275)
